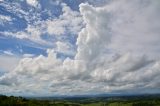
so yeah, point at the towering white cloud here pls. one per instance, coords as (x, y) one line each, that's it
(117, 51)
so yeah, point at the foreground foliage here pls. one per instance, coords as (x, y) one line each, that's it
(82, 101)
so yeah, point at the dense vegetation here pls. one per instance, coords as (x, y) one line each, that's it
(149, 100)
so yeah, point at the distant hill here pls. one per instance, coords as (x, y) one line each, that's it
(96, 100)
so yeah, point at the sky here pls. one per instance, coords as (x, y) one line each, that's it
(79, 47)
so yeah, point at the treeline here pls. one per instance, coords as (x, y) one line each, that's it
(20, 101)
(88, 101)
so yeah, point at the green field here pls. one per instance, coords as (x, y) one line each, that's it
(86, 101)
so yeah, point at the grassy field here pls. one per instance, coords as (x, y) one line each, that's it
(86, 101)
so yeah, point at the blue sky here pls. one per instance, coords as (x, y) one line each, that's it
(74, 47)
(19, 22)
(19, 15)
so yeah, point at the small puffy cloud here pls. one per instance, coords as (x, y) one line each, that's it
(4, 19)
(8, 53)
(56, 27)
(69, 22)
(32, 2)
(65, 48)
(28, 55)
(7, 18)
